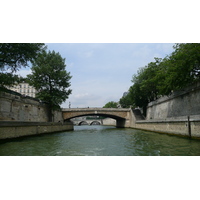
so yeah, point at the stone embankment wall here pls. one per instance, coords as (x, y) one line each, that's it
(25, 116)
(170, 114)
(16, 129)
(16, 107)
(181, 127)
(179, 104)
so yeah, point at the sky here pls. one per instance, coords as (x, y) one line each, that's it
(102, 72)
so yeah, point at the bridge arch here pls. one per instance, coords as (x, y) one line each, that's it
(95, 123)
(82, 123)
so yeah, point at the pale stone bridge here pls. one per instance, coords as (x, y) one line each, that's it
(122, 116)
(87, 122)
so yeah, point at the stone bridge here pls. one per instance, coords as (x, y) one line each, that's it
(121, 115)
(87, 122)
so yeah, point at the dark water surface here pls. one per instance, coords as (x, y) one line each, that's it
(101, 141)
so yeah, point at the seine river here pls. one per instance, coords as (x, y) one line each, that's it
(101, 141)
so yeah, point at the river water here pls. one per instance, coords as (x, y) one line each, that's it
(101, 141)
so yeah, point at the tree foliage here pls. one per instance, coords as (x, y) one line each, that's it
(182, 67)
(126, 101)
(8, 79)
(13, 56)
(16, 55)
(50, 79)
(111, 104)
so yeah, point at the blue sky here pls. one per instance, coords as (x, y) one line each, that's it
(102, 72)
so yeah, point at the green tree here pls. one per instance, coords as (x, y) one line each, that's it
(8, 79)
(146, 83)
(16, 55)
(111, 104)
(182, 67)
(50, 79)
(126, 101)
(13, 56)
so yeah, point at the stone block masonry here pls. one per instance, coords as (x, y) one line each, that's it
(25, 116)
(10, 130)
(175, 127)
(16, 107)
(179, 104)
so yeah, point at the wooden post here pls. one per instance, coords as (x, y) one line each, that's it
(189, 127)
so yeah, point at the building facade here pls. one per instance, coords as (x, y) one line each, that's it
(24, 89)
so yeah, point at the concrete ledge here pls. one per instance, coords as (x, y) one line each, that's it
(9, 129)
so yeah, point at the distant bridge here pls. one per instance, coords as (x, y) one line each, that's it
(121, 115)
(87, 122)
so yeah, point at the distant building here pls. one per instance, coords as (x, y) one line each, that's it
(24, 89)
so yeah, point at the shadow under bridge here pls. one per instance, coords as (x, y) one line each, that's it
(122, 116)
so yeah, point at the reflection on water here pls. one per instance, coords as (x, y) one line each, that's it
(101, 141)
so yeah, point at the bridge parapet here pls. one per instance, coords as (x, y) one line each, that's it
(116, 113)
(97, 109)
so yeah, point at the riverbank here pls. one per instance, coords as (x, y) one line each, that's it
(176, 114)
(15, 129)
(180, 127)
